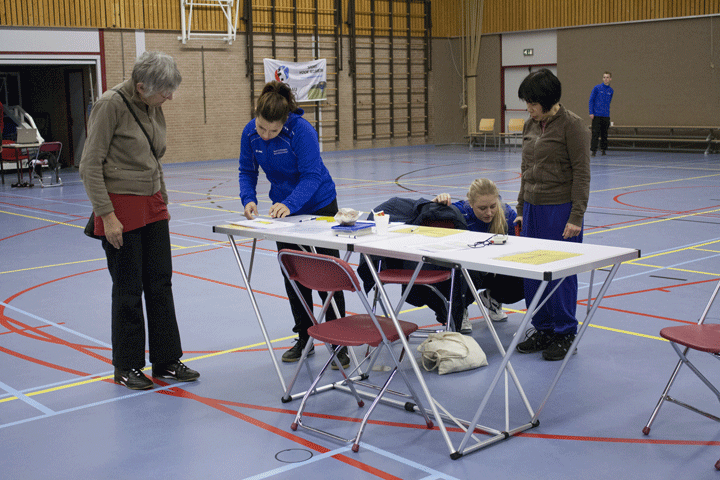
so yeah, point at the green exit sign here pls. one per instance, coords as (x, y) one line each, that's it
(528, 52)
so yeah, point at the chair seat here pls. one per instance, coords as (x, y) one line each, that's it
(704, 337)
(425, 277)
(356, 330)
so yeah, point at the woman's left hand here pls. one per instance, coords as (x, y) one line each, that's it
(278, 210)
(571, 231)
(443, 198)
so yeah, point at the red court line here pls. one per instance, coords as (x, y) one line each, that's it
(669, 212)
(578, 438)
(646, 441)
(221, 406)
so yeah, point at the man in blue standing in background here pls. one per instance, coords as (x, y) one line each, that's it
(600, 99)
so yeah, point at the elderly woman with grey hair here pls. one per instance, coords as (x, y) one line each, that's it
(120, 168)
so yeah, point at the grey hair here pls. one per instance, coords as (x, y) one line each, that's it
(158, 73)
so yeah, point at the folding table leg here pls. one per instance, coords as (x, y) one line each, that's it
(411, 359)
(462, 450)
(256, 309)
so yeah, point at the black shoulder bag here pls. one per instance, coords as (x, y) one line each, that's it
(90, 227)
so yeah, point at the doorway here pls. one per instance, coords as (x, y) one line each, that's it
(56, 97)
(512, 106)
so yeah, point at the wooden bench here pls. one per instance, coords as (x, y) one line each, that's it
(672, 138)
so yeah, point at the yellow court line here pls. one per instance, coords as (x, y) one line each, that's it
(97, 379)
(626, 332)
(200, 357)
(610, 329)
(259, 344)
(674, 251)
(657, 183)
(54, 265)
(673, 269)
(175, 247)
(42, 219)
(219, 210)
(651, 222)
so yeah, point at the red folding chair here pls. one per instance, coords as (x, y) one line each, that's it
(330, 274)
(701, 337)
(425, 278)
(13, 155)
(48, 155)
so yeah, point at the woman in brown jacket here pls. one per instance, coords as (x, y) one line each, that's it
(120, 168)
(553, 196)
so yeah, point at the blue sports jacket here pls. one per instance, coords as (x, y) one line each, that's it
(600, 99)
(477, 225)
(292, 164)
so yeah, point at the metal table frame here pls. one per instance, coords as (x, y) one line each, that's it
(408, 246)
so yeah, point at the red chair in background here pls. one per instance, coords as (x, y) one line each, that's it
(15, 155)
(330, 274)
(48, 155)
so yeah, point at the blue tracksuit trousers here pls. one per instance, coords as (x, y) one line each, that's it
(558, 313)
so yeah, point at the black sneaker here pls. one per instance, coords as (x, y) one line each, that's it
(134, 379)
(559, 347)
(175, 370)
(342, 356)
(294, 354)
(535, 341)
(603, 153)
(592, 154)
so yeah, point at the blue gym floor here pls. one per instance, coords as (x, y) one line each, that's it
(62, 417)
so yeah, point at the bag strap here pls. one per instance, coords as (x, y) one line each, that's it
(138, 122)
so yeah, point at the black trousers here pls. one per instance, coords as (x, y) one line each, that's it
(502, 288)
(600, 126)
(302, 320)
(143, 266)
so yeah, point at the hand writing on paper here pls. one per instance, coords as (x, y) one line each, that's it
(251, 210)
(278, 210)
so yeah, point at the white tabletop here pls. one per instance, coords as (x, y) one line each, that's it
(21, 145)
(519, 256)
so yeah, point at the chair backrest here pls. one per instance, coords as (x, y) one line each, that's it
(516, 124)
(318, 272)
(486, 125)
(49, 152)
(53, 147)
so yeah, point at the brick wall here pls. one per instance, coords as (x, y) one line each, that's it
(208, 112)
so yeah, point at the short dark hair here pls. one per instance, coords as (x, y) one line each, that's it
(541, 87)
(276, 102)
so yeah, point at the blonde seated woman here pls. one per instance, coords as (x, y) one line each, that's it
(484, 211)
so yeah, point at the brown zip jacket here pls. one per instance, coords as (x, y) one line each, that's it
(117, 157)
(556, 164)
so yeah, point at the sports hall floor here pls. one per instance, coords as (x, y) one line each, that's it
(62, 417)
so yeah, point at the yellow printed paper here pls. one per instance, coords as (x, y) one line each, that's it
(537, 257)
(434, 232)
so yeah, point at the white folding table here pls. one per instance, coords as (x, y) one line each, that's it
(542, 260)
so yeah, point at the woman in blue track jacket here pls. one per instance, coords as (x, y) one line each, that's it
(286, 147)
